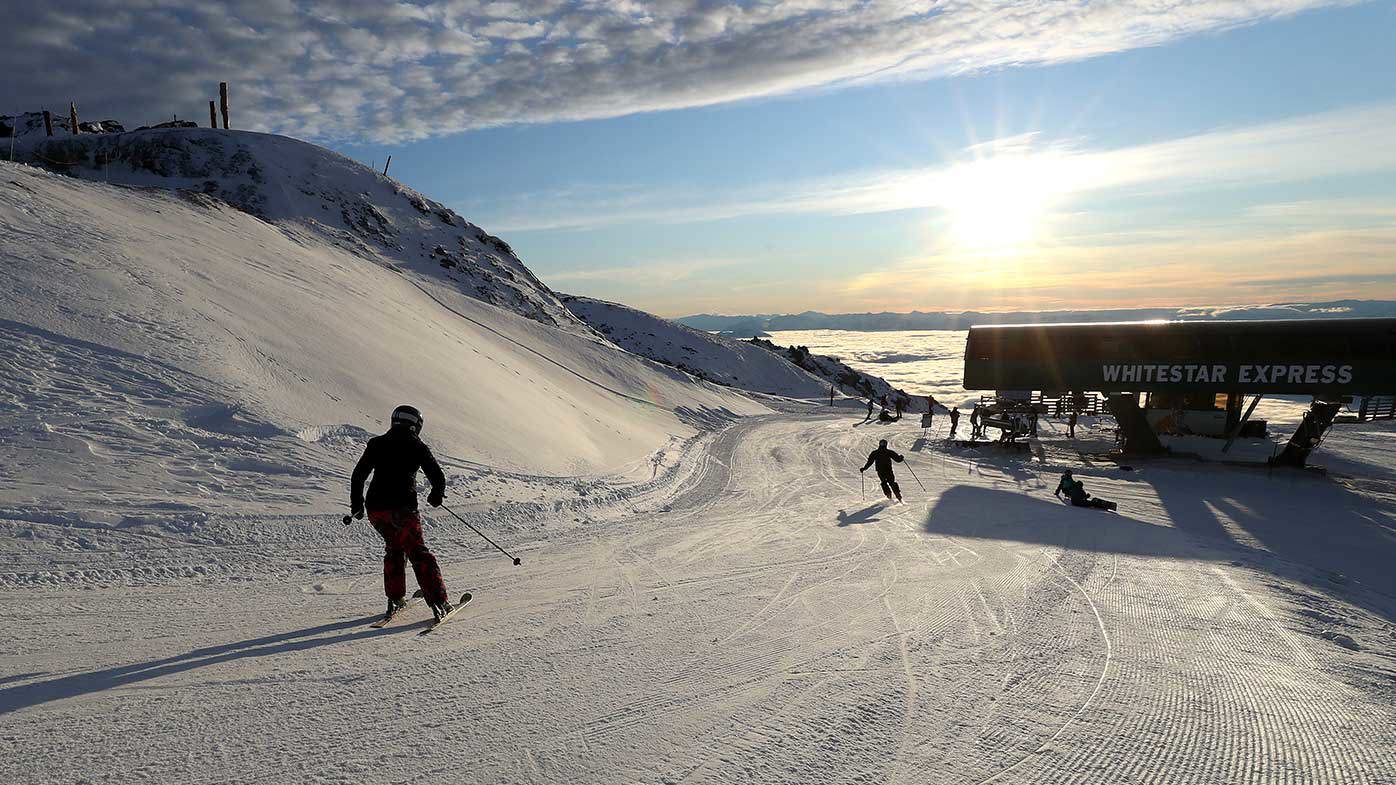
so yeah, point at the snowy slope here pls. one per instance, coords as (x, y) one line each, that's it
(163, 348)
(312, 194)
(769, 623)
(757, 365)
(704, 355)
(183, 386)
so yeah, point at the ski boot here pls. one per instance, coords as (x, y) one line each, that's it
(394, 605)
(440, 610)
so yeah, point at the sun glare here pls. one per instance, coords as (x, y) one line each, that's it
(997, 205)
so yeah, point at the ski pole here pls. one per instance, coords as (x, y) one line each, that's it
(913, 474)
(863, 481)
(517, 562)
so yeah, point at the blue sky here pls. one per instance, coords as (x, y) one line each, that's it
(772, 157)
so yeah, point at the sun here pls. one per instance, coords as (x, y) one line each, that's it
(997, 205)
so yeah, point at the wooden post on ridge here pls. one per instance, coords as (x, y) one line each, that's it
(212, 116)
(48, 122)
(223, 102)
(73, 117)
(386, 165)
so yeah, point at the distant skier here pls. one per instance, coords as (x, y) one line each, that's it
(883, 458)
(954, 421)
(870, 410)
(1071, 424)
(974, 423)
(1075, 492)
(897, 403)
(394, 459)
(831, 395)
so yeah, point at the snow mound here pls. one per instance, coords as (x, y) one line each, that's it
(157, 349)
(311, 193)
(336, 434)
(706, 356)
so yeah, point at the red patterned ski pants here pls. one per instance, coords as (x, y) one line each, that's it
(402, 536)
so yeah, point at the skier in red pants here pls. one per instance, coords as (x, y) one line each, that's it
(394, 459)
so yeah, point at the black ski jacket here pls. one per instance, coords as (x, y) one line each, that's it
(883, 457)
(394, 459)
(1074, 489)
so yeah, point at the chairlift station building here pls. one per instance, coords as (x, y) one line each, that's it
(1192, 376)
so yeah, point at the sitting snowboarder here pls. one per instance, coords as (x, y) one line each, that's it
(1075, 492)
(883, 457)
(394, 459)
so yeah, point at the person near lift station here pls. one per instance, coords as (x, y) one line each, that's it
(882, 458)
(1075, 492)
(954, 420)
(394, 458)
(870, 410)
(1071, 424)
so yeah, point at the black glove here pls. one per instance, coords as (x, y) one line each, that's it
(860, 471)
(357, 510)
(436, 498)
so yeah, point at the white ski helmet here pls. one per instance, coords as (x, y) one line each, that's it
(408, 416)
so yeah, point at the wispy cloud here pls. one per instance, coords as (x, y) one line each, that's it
(407, 69)
(639, 274)
(1238, 264)
(1356, 140)
(1215, 268)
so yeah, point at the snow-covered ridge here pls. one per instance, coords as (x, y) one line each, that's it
(849, 380)
(757, 366)
(706, 356)
(307, 191)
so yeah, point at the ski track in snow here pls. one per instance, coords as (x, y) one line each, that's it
(744, 617)
(707, 595)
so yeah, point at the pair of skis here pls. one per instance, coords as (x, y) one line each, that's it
(416, 598)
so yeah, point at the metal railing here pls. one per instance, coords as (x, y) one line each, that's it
(1377, 407)
(1058, 405)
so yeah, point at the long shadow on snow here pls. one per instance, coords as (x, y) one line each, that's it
(972, 511)
(866, 515)
(1309, 528)
(27, 695)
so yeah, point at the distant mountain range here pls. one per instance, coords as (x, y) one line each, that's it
(746, 326)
